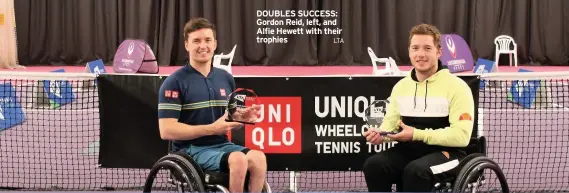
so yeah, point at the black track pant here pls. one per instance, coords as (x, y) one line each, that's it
(416, 168)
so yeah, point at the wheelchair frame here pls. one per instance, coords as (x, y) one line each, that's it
(471, 170)
(188, 172)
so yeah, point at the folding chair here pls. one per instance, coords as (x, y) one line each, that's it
(217, 60)
(390, 65)
(506, 45)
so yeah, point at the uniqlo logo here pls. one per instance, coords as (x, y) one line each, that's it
(168, 93)
(175, 94)
(278, 129)
(222, 91)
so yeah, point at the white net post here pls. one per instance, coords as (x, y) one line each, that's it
(293, 185)
(480, 122)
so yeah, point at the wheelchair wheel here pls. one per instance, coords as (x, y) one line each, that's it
(473, 171)
(181, 174)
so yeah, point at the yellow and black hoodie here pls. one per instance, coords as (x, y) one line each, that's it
(441, 108)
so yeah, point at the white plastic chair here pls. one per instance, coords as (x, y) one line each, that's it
(217, 60)
(504, 45)
(390, 65)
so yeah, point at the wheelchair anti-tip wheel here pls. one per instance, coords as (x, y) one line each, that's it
(472, 176)
(180, 174)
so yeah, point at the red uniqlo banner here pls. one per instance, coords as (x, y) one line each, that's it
(278, 129)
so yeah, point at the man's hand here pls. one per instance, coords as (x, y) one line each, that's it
(220, 126)
(406, 133)
(249, 114)
(373, 137)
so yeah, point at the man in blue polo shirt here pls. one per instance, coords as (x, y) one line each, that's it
(192, 112)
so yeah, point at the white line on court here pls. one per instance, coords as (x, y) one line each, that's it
(28, 83)
(60, 110)
(565, 109)
(560, 106)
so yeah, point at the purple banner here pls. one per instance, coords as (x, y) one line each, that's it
(149, 65)
(134, 56)
(456, 53)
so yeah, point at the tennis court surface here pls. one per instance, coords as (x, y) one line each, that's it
(56, 147)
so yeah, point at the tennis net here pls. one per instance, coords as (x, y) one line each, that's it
(50, 130)
(525, 118)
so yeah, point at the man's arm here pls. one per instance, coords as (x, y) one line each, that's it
(169, 107)
(461, 118)
(392, 116)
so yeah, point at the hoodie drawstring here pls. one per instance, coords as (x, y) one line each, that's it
(415, 97)
(426, 87)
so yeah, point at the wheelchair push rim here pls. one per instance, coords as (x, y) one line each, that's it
(180, 175)
(474, 170)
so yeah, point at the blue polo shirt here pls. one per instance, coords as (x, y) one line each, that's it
(194, 99)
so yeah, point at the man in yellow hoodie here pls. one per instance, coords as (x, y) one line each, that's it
(432, 112)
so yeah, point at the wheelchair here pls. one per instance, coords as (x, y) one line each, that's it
(471, 171)
(187, 176)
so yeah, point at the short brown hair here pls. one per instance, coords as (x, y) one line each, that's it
(197, 24)
(426, 29)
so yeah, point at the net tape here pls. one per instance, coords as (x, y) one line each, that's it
(56, 148)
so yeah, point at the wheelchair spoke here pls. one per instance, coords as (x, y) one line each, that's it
(484, 180)
(476, 184)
